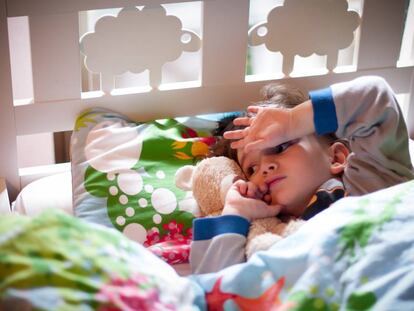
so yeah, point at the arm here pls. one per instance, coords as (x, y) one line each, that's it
(366, 112)
(220, 241)
(363, 110)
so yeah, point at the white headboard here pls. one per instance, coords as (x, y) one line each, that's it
(224, 38)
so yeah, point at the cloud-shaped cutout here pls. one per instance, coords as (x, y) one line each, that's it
(306, 27)
(136, 40)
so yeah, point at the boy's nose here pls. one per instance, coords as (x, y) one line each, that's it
(268, 168)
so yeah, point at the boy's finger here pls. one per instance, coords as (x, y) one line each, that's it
(243, 121)
(257, 144)
(253, 109)
(263, 188)
(251, 192)
(237, 178)
(264, 210)
(236, 134)
(273, 210)
(239, 182)
(238, 144)
(242, 187)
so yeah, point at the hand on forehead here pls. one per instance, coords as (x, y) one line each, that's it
(269, 127)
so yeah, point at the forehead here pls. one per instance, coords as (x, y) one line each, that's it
(243, 157)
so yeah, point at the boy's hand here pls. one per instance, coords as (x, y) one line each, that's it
(246, 200)
(269, 127)
(272, 126)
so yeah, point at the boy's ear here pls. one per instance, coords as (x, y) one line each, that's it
(339, 157)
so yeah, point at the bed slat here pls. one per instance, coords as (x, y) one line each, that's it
(160, 104)
(55, 56)
(8, 149)
(224, 42)
(381, 33)
(45, 7)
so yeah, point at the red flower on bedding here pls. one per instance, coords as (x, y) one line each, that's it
(199, 145)
(139, 292)
(189, 133)
(209, 141)
(153, 237)
(173, 247)
(269, 300)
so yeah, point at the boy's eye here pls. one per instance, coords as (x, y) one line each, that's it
(280, 148)
(251, 170)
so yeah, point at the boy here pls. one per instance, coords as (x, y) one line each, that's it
(287, 155)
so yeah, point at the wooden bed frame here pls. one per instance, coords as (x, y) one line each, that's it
(57, 100)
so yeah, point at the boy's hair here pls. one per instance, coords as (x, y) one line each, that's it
(274, 95)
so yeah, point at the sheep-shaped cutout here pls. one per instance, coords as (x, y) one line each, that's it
(134, 41)
(306, 27)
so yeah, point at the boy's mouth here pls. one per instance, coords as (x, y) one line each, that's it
(274, 181)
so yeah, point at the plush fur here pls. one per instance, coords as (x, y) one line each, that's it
(210, 180)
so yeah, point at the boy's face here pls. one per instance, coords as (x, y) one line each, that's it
(291, 172)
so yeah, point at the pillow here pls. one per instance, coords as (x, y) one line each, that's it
(123, 176)
(54, 191)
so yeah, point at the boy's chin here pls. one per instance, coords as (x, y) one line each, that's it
(288, 210)
(285, 210)
(289, 206)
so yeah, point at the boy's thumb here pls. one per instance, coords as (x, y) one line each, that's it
(273, 210)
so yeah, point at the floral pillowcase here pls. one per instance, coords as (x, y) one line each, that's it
(123, 177)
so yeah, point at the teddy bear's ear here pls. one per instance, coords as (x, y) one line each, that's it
(184, 177)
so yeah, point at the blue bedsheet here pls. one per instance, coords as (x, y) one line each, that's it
(357, 255)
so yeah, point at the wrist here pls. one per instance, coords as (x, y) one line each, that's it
(302, 120)
(231, 210)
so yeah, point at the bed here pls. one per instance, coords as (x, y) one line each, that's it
(132, 99)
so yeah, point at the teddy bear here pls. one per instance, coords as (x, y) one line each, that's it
(210, 179)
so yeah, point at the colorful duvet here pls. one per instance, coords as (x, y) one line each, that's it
(357, 255)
